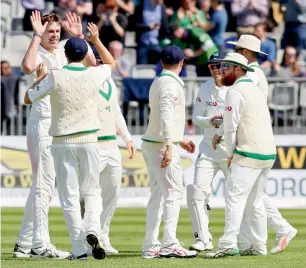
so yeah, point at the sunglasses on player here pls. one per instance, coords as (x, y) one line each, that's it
(226, 66)
(215, 66)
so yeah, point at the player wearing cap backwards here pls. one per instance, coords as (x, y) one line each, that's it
(251, 154)
(42, 55)
(160, 151)
(112, 122)
(74, 92)
(209, 105)
(249, 47)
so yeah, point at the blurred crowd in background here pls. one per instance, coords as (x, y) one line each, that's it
(200, 27)
(197, 26)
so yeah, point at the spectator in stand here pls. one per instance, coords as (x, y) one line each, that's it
(267, 46)
(126, 7)
(197, 45)
(188, 15)
(30, 6)
(205, 6)
(216, 26)
(172, 6)
(295, 24)
(289, 66)
(249, 13)
(151, 26)
(123, 66)
(111, 24)
(83, 8)
(9, 95)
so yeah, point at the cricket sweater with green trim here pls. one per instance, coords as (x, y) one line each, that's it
(247, 127)
(110, 116)
(259, 78)
(74, 102)
(167, 115)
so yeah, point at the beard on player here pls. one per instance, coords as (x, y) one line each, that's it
(228, 79)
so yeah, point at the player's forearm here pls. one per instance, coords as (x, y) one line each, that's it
(202, 122)
(122, 127)
(230, 142)
(166, 112)
(29, 61)
(104, 54)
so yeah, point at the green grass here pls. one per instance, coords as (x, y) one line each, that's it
(127, 233)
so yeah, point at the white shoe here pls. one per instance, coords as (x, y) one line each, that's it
(200, 246)
(177, 251)
(109, 250)
(72, 257)
(151, 253)
(283, 241)
(49, 252)
(222, 252)
(20, 252)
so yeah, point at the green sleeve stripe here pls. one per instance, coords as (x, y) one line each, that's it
(107, 138)
(256, 156)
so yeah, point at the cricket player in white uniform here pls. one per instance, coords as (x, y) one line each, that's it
(160, 151)
(42, 54)
(209, 104)
(249, 47)
(74, 92)
(251, 154)
(112, 122)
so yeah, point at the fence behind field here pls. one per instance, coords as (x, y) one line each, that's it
(287, 103)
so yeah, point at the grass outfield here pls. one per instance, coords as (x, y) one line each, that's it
(127, 232)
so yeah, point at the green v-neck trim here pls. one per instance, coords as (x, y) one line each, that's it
(166, 74)
(254, 64)
(73, 68)
(109, 94)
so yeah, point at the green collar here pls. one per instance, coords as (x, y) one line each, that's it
(108, 95)
(254, 64)
(171, 75)
(73, 68)
(244, 79)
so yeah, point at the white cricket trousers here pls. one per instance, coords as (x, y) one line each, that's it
(166, 186)
(243, 202)
(198, 194)
(34, 230)
(77, 173)
(110, 182)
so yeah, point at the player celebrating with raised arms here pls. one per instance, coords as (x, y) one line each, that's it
(74, 92)
(41, 56)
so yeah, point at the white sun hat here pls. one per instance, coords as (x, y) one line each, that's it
(249, 42)
(236, 59)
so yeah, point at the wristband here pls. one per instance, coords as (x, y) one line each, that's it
(36, 34)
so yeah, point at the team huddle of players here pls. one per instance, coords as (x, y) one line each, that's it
(71, 136)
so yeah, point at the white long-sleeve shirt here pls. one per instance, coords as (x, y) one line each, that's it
(209, 102)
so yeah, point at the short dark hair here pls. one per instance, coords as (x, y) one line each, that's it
(72, 57)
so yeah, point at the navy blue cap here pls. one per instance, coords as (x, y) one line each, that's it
(172, 55)
(216, 57)
(76, 49)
